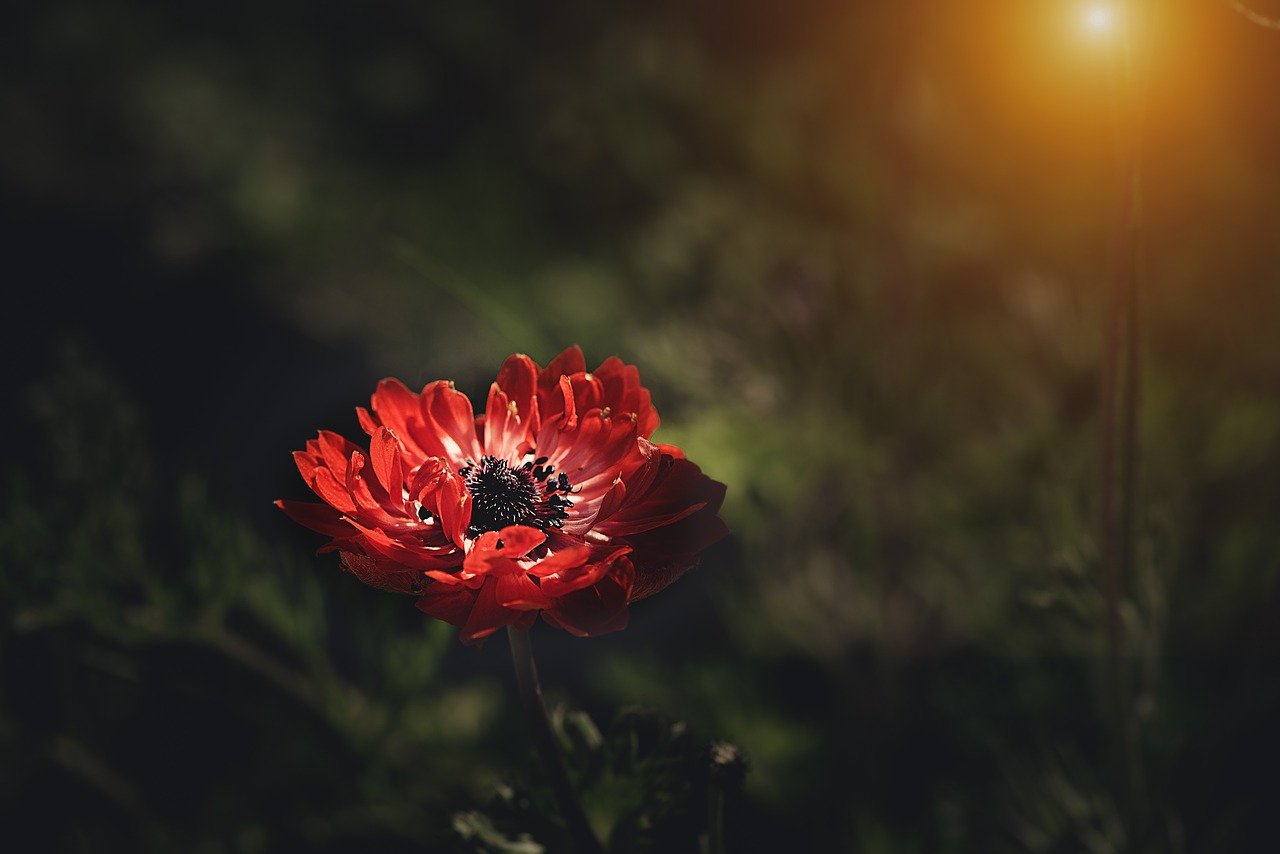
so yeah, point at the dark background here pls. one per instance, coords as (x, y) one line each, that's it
(861, 253)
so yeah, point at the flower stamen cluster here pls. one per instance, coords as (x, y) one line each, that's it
(527, 495)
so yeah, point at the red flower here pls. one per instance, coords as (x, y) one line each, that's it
(554, 501)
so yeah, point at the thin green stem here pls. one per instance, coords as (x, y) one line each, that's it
(584, 840)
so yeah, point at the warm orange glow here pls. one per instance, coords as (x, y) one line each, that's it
(1099, 19)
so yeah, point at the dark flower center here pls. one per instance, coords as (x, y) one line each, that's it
(524, 495)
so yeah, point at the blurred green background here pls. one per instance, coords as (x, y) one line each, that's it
(861, 253)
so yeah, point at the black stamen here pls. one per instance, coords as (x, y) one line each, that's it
(502, 495)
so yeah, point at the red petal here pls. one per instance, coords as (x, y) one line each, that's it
(487, 542)
(487, 616)
(307, 463)
(381, 544)
(654, 575)
(570, 410)
(518, 540)
(451, 424)
(622, 392)
(384, 574)
(664, 554)
(368, 421)
(518, 377)
(321, 518)
(369, 495)
(427, 478)
(597, 448)
(400, 409)
(453, 508)
(598, 609)
(384, 453)
(577, 577)
(487, 562)
(511, 416)
(327, 487)
(516, 591)
(570, 361)
(613, 499)
(662, 493)
(451, 603)
(691, 534)
(560, 561)
(335, 449)
(554, 387)
(452, 578)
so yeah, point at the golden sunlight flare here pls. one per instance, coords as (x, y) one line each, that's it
(1098, 19)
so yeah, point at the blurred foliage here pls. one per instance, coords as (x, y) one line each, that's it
(860, 253)
(644, 784)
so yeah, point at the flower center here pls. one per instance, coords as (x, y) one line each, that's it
(525, 495)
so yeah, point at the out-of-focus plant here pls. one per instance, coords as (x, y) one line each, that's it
(116, 570)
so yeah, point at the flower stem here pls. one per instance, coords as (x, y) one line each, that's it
(584, 841)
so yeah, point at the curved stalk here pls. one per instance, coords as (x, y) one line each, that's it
(584, 840)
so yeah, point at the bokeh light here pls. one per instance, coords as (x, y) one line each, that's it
(1099, 19)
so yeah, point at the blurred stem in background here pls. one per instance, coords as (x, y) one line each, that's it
(584, 841)
(728, 770)
(715, 821)
(1120, 389)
